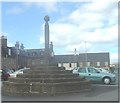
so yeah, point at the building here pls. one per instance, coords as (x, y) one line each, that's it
(16, 57)
(12, 57)
(83, 59)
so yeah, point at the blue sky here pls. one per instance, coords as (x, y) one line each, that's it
(72, 25)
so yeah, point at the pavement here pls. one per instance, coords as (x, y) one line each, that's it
(99, 92)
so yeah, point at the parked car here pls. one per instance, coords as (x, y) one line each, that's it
(5, 73)
(75, 70)
(20, 71)
(95, 75)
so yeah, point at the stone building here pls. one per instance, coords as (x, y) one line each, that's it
(16, 57)
(83, 59)
(12, 57)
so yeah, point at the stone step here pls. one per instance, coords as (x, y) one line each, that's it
(34, 89)
(46, 80)
(44, 75)
(47, 68)
(49, 71)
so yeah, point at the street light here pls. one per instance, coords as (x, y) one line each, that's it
(17, 53)
(86, 54)
(75, 57)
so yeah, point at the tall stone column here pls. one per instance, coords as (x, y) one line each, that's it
(47, 54)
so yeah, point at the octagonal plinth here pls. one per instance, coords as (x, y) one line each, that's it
(38, 81)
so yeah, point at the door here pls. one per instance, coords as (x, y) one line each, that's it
(93, 74)
(82, 72)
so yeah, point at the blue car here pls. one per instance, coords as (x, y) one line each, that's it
(95, 75)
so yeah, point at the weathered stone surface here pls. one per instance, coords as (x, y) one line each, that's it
(42, 82)
(45, 80)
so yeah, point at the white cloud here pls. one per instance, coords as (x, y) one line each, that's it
(3, 34)
(49, 7)
(105, 35)
(114, 57)
(95, 22)
(9, 44)
(94, 15)
(57, 0)
(15, 10)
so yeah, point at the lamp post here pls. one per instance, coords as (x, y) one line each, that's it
(17, 58)
(86, 54)
(75, 57)
(17, 53)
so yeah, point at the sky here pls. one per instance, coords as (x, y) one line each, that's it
(88, 25)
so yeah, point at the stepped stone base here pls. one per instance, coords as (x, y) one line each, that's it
(41, 81)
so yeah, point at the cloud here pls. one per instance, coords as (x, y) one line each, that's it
(49, 7)
(114, 57)
(15, 10)
(9, 44)
(93, 22)
(3, 34)
(103, 35)
(100, 13)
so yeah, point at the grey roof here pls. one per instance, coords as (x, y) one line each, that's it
(65, 58)
(34, 50)
(96, 57)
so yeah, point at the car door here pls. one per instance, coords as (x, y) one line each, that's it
(21, 71)
(93, 74)
(82, 72)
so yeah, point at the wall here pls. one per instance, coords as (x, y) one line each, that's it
(68, 66)
(8, 62)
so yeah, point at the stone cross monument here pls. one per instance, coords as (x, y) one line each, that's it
(46, 80)
(47, 53)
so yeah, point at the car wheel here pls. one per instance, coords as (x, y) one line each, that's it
(106, 80)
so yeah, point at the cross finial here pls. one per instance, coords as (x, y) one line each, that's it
(46, 18)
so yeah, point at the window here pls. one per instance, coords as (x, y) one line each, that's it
(34, 54)
(33, 62)
(41, 52)
(98, 63)
(106, 63)
(28, 54)
(60, 64)
(80, 64)
(82, 70)
(88, 63)
(9, 51)
(92, 70)
(41, 61)
(70, 65)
